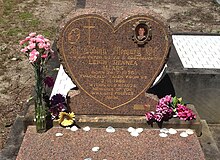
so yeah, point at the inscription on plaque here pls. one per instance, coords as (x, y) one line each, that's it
(106, 63)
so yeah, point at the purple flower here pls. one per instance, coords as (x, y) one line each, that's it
(49, 81)
(149, 116)
(185, 113)
(158, 117)
(58, 104)
(58, 98)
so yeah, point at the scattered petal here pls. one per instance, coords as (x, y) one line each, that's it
(183, 134)
(163, 135)
(87, 128)
(67, 127)
(189, 131)
(131, 129)
(134, 133)
(139, 130)
(73, 128)
(110, 129)
(88, 159)
(95, 149)
(172, 131)
(14, 59)
(164, 130)
(59, 134)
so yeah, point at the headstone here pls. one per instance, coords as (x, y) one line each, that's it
(114, 60)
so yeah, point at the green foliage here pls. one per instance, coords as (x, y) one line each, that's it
(25, 15)
(8, 6)
(34, 22)
(14, 31)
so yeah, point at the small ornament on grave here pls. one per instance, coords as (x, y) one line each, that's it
(110, 129)
(163, 135)
(183, 134)
(134, 133)
(189, 131)
(167, 107)
(87, 128)
(74, 128)
(95, 149)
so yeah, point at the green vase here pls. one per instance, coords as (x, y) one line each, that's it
(40, 106)
(40, 117)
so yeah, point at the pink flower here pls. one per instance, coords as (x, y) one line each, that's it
(168, 98)
(32, 40)
(149, 116)
(31, 46)
(158, 117)
(44, 56)
(39, 40)
(41, 45)
(40, 36)
(33, 55)
(24, 50)
(185, 113)
(27, 39)
(22, 42)
(32, 34)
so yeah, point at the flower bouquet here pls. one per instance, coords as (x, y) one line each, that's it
(169, 107)
(58, 110)
(38, 50)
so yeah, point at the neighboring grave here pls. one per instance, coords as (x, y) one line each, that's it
(114, 61)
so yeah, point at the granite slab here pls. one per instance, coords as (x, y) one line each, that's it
(118, 145)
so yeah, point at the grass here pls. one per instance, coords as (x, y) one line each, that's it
(8, 6)
(25, 15)
(14, 31)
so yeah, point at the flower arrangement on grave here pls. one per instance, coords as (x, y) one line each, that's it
(58, 110)
(38, 50)
(169, 107)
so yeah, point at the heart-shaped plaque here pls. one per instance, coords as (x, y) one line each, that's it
(114, 64)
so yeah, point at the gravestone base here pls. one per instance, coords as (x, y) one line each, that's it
(118, 121)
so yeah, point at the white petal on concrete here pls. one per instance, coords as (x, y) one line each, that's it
(164, 130)
(59, 134)
(172, 131)
(189, 131)
(131, 129)
(87, 128)
(88, 159)
(67, 127)
(139, 130)
(183, 134)
(74, 128)
(95, 149)
(134, 133)
(110, 129)
(163, 135)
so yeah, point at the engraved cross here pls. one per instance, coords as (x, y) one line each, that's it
(89, 27)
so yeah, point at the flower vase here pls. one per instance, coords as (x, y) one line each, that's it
(40, 116)
(40, 106)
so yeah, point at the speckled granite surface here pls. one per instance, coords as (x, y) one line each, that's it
(113, 146)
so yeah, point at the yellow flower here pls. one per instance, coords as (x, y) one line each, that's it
(180, 99)
(66, 119)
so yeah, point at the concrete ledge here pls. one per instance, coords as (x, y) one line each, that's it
(99, 121)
